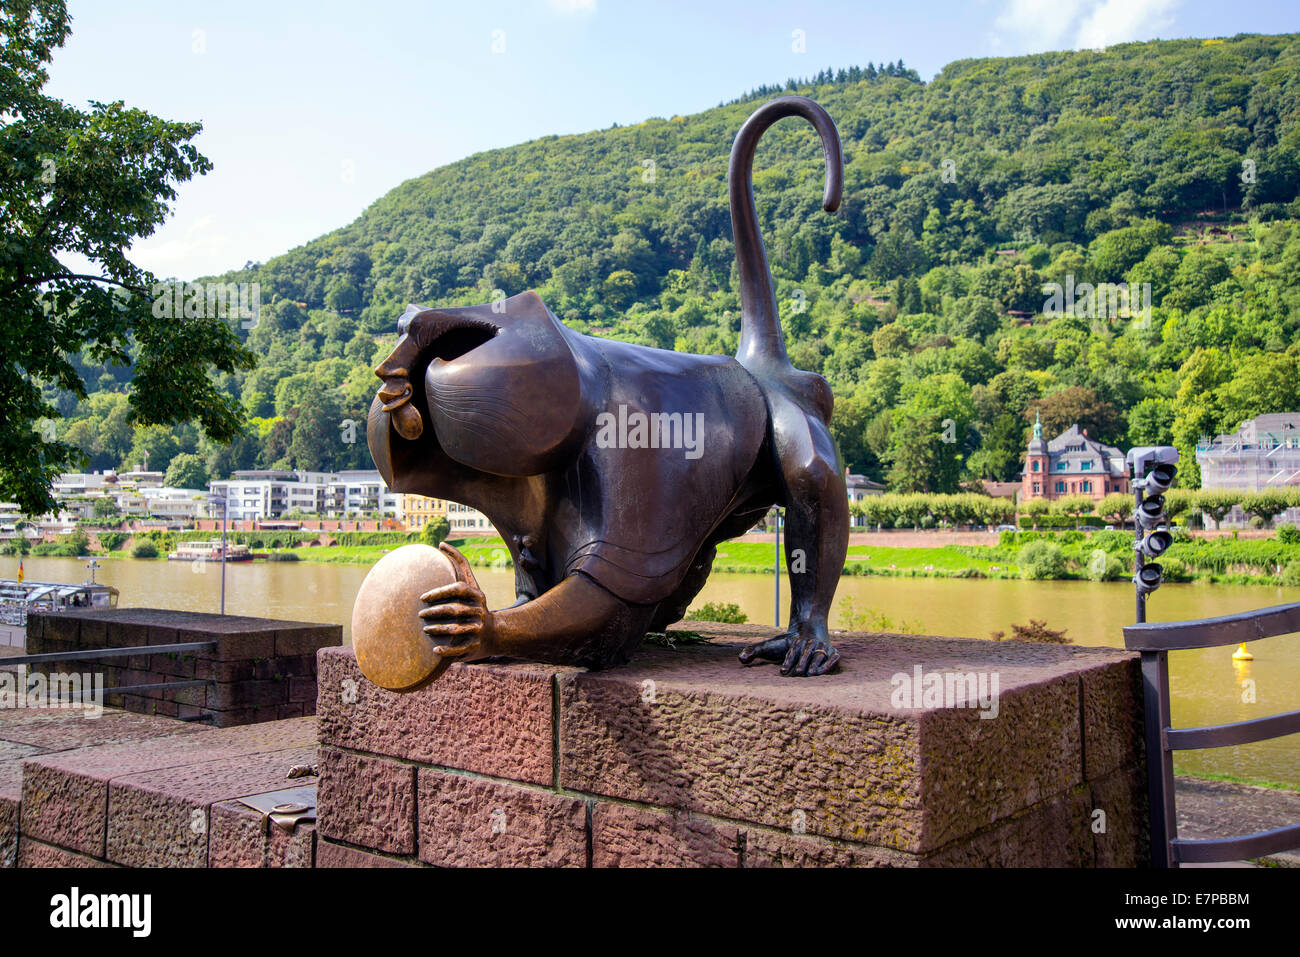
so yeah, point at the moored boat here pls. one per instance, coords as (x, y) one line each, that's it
(20, 598)
(210, 552)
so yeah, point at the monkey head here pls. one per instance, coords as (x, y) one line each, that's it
(496, 388)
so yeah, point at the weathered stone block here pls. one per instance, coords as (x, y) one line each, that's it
(495, 719)
(247, 694)
(302, 689)
(329, 854)
(8, 828)
(161, 818)
(626, 836)
(245, 650)
(838, 757)
(1112, 718)
(1053, 834)
(367, 801)
(242, 837)
(1123, 837)
(65, 795)
(472, 822)
(33, 853)
(765, 848)
(126, 634)
(304, 639)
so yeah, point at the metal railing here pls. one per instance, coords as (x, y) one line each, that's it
(91, 653)
(1155, 641)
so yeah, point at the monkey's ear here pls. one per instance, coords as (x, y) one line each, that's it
(512, 403)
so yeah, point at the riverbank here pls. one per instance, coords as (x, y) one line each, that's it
(1096, 556)
(1249, 558)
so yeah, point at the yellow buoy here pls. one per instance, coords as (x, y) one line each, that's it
(1241, 654)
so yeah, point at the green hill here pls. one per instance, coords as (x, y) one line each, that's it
(1172, 163)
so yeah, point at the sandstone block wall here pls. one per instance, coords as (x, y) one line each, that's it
(685, 758)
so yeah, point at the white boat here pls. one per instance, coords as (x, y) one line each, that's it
(209, 552)
(18, 599)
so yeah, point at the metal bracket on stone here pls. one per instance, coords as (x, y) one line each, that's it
(284, 808)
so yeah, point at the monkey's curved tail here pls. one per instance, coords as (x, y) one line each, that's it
(761, 342)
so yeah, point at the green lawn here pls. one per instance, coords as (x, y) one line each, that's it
(873, 560)
(749, 557)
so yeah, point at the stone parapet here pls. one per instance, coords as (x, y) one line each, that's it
(685, 758)
(260, 669)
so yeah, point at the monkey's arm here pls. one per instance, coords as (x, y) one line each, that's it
(558, 625)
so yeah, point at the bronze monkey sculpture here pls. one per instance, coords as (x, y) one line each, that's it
(614, 470)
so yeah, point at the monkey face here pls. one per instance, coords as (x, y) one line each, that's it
(502, 389)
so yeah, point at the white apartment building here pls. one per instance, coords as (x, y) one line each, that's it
(136, 493)
(175, 504)
(256, 494)
(466, 521)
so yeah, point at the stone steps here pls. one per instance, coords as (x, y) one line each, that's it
(135, 790)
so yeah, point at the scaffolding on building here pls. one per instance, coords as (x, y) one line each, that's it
(1253, 459)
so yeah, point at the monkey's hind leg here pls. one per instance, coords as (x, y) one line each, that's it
(817, 540)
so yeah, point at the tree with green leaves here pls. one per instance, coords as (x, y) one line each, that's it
(1077, 405)
(1269, 503)
(928, 435)
(104, 507)
(1034, 509)
(435, 531)
(187, 470)
(1073, 506)
(1217, 503)
(1178, 501)
(86, 184)
(1117, 507)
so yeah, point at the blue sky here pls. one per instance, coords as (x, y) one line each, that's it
(312, 110)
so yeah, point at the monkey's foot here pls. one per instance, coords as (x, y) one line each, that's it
(803, 654)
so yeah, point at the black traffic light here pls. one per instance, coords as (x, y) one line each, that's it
(1160, 478)
(1148, 578)
(1154, 471)
(1156, 543)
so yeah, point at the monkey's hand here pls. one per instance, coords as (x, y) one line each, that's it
(803, 652)
(457, 614)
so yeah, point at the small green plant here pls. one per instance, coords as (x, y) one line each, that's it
(1034, 631)
(1291, 574)
(868, 619)
(144, 548)
(1116, 542)
(1041, 560)
(725, 612)
(1288, 534)
(1175, 570)
(435, 531)
(1105, 567)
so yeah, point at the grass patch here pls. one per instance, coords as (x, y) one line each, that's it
(1233, 779)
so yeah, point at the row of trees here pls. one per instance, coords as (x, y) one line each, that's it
(917, 509)
(891, 509)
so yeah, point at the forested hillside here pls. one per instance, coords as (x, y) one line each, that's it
(1172, 163)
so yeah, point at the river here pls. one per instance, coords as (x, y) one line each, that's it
(1208, 686)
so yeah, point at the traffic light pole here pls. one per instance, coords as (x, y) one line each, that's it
(1139, 559)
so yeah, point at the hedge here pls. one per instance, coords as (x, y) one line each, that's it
(1061, 521)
